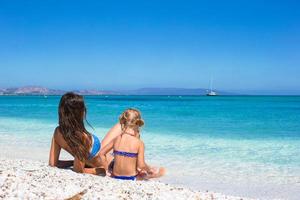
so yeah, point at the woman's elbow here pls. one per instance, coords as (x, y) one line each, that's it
(78, 170)
(52, 163)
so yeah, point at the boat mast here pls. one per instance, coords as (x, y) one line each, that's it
(210, 84)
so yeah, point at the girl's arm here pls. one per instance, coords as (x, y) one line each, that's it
(103, 153)
(151, 172)
(141, 164)
(54, 156)
(114, 132)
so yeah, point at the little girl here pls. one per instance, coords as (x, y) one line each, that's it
(128, 149)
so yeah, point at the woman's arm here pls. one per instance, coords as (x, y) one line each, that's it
(114, 132)
(65, 163)
(103, 154)
(79, 167)
(54, 155)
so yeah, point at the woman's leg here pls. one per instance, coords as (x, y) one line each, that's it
(114, 132)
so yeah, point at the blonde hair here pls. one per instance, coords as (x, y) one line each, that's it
(131, 118)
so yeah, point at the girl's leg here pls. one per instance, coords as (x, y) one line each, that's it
(155, 173)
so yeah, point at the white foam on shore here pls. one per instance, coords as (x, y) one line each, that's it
(23, 179)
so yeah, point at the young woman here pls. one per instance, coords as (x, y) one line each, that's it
(128, 148)
(72, 136)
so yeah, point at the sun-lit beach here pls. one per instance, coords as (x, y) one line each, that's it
(21, 179)
(150, 100)
(254, 158)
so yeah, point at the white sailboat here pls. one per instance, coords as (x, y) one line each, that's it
(211, 92)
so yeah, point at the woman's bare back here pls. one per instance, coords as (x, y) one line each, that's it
(58, 139)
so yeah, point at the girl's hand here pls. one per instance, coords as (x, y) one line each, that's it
(108, 173)
(143, 174)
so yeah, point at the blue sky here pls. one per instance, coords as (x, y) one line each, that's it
(244, 45)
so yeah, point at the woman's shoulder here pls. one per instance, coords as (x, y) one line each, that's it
(58, 137)
(57, 134)
(57, 131)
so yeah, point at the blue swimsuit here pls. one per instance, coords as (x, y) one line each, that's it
(96, 146)
(126, 154)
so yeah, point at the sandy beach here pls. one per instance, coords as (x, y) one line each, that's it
(25, 179)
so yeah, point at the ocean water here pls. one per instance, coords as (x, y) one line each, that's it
(238, 145)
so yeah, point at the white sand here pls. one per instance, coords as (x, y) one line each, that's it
(24, 179)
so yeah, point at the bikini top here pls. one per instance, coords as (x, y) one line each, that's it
(126, 154)
(96, 146)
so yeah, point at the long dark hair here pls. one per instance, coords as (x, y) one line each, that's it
(72, 114)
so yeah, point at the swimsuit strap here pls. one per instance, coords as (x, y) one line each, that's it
(123, 133)
(126, 154)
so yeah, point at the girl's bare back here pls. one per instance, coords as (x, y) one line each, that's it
(125, 165)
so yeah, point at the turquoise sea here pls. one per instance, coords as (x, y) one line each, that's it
(239, 145)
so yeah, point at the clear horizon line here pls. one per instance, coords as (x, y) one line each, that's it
(263, 92)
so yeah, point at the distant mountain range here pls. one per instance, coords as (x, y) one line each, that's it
(35, 90)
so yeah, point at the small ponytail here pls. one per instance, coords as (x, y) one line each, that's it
(140, 122)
